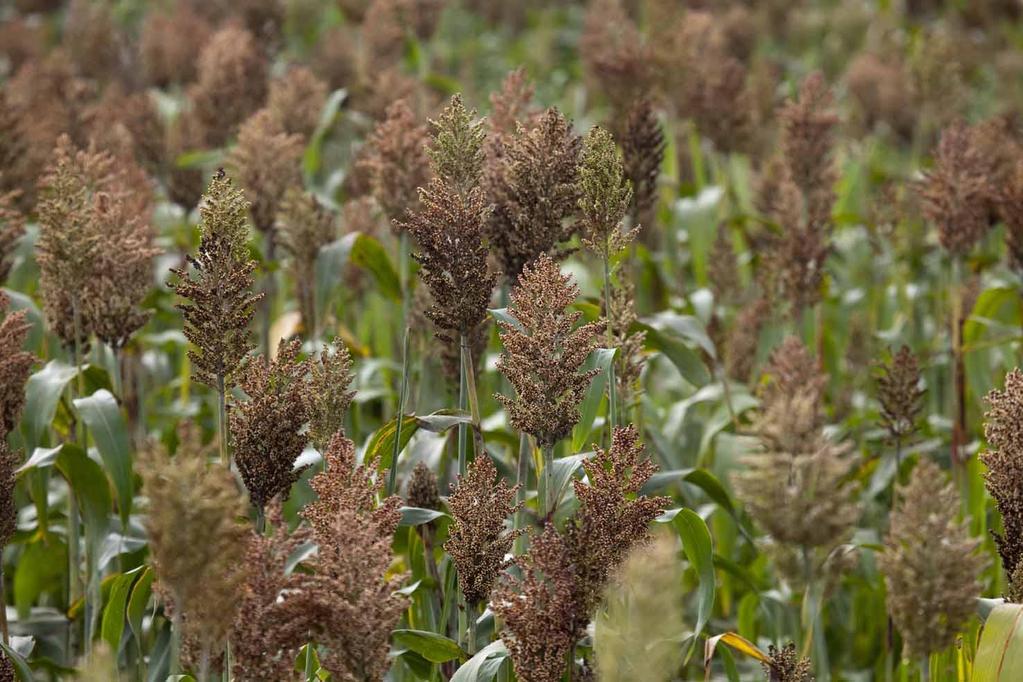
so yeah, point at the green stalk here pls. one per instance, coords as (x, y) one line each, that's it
(392, 475)
(522, 475)
(225, 457)
(4, 630)
(462, 399)
(548, 479)
(260, 520)
(612, 389)
(471, 644)
(470, 385)
(309, 662)
(175, 645)
(74, 531)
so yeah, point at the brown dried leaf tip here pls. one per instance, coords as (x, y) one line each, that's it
(217, 304)
(479, 539)
(266, 429)
(930, 563)
(533, 187)
(1003, 430)
(196, 540)
(900, 394)
(543, 353)
(955, 191)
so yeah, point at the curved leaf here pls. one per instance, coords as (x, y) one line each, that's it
(114, 614)
(696, 544)
(103, 417)
(431, 646)
(484, 665)
(1000, 650)
(600, 359)
(138, 601)
(370, 255)
(42, 394)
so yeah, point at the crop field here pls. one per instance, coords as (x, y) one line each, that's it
(511, 340)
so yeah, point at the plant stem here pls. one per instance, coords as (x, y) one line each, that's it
(548, 480)
(260, 519)
(471, 644)
(269, 292)
(81, 436)
(225, 457)
(4, 630)
(474, 404)
(522, 474)
(462, 398)
(612, 389)
(958, 369)
(175, 645)
(392, 475)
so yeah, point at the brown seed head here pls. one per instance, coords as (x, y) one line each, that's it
(614, 54)
(303, 227)
(266, 429)
(533, 187)
(267, 162)
(786, 665)
(930, 563)
(93, 39)
(900, 393)
(196, 542)
(449, 231)
(543, 353)
(9, 463)
(643, 148)
(170, 44)
(538, 608)
(479, 538)
(422, 488)
(217, 302)
(329, 393)
(296, 100)
(231, 84)
(1003, 430)
(630, 359)
(954, 192)
(12, 228)
(396, 161)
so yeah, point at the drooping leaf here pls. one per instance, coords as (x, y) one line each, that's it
(42, 394)
(370, 255)
(482, 667)
(600, 359)
(108, 428)
(1000, 650)
(114, 614)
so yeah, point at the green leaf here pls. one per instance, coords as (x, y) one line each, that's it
(103, 416)
(39, 569)
(1000, 650)
(91, 488)
(599, 359)
(563, 469)
(417, 516)
(40, 459)
(42, 394)
(199, 158)
(311, 160)
(996, 304)
(382, 442)
(484, 665)
(114, 613)
(431, 646)
(685, 359)
(330, 268)
(138, 601)
(370, 255)
(701, 478)
(21, 667)
(696, 544)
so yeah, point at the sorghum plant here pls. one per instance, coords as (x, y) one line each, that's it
(304, 226)
(328, 393)
(217, 302)
(542, 356)
(1004, 477)
(929, 600)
